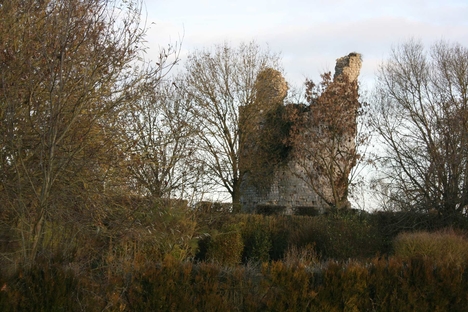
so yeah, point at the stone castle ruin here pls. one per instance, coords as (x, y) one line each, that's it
(274, 180)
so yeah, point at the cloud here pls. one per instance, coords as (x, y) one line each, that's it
(308, 50)
(311, 34)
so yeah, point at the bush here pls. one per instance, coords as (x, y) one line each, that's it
(258, 243)
(334, 236)
(270, 210)
(165, 287)
(380, 284)
(301, 256)
(286, 288)
(417, 285)
(389, 224)
(43, 287)
(339, 237)
(443, 247)
(306, 211)
(226, 247)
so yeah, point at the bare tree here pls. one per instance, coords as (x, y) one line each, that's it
(421, 110)
(162, 145)
(221, 82)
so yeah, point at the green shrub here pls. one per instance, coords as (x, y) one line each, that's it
(306, 211)
(170, 227)
(226, 247)
(257, 240)
(443, 247)
(338, 237)
(270, 210)
(335, 236)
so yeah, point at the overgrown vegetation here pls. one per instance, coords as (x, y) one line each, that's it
(103, 157)
(211, 260)
(267, 148)
(443, 247)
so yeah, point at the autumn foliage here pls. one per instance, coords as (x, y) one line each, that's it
(324, 137)
(102, 159)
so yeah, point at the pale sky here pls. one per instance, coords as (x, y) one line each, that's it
(310, 35)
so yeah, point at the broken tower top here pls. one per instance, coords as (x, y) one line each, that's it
(349, 65)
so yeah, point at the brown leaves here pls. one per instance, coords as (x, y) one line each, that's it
(323, 136)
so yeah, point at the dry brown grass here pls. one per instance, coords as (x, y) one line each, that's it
(443, 247)
(301, 257)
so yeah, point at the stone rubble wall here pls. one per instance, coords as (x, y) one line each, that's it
(349, 65)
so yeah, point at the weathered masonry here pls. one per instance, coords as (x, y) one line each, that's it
(273, 182)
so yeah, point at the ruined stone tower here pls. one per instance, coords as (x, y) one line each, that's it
(349, 65)
(273, 179)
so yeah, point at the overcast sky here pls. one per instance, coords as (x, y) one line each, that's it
(310, 35)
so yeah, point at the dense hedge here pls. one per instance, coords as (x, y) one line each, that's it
(378, 285)
(338, 236)
(334, 262)
(268, 238)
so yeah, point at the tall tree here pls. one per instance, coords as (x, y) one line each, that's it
(66, 74)
(422, 109)
(161, 139)
(221, 82)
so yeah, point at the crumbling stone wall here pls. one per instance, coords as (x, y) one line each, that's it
(349, 65)
(261, 133)
(271, 176)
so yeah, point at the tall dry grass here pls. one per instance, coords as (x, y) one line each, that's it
(442, 247)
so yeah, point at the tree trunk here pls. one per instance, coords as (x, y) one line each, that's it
(36, 237)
